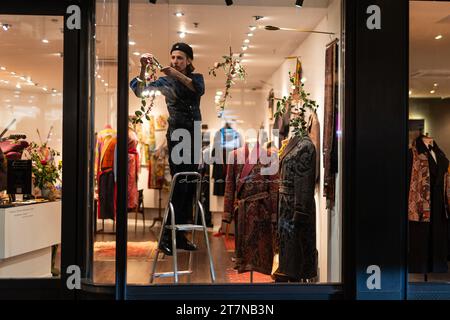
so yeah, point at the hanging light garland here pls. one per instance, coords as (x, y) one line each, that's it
(232, 67)
(151, 70)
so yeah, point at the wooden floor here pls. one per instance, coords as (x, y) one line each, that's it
(138, 272)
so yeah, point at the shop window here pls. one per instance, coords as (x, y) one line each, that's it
(31, 135)
(266, 222)
(429, 143)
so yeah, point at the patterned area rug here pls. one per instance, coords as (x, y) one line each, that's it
(143, 251)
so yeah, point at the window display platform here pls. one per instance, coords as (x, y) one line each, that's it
(27, 234)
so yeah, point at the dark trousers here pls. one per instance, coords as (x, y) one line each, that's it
(185, 188)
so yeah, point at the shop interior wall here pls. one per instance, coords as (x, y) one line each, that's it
(33, 111)
(436, 113)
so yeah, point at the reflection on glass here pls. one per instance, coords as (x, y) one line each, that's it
(429, 142)
(105, 143)
(30, 146)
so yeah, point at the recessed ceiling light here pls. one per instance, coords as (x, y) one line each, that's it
(13, 73)
(410, 92)
(179, 14)
(132, 43)
(16, 96)
(106, 84)
(436, 84)
(244, 48)
(18, 86)
(44, 88)
(45, 41)
(6, 26)
(99, 76)
(136, 53)
(3, 68)
(219, 93)
(54, 90)
(252, 28)
(246, 40)
(103, 80)
(250, 34)
(23, 78)
(181, 34)
(433, 91)
(438, 37)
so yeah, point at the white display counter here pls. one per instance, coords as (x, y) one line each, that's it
(27, 233)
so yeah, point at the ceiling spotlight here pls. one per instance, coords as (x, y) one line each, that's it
(250, 34)
(229, 2)
(244, 48)
(246, 40)
(252, 28)
(136, 53)
(3, 68)
(6, 26)
(44, 40)
(258, 17)
(181, 34)
(45, 89)
(179, 14)
(18, 86)
(152, 1)
(433, 91)
(438, 37)
(299, 3)
(436, 84)
(132, 43)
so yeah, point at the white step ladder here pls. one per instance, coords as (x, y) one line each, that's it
(183, 227)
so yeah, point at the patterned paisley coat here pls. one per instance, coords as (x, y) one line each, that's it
(297, 211)
(251, 201)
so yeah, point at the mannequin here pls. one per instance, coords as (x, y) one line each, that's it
(297, 211)
(251, 202)
(428, 209)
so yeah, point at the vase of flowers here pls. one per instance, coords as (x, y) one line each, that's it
(46, 173)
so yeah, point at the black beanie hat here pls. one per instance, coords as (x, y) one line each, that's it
(181, 46)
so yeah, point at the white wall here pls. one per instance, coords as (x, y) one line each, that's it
(33, 111)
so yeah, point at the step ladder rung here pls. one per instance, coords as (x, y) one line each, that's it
(186, 227)
(171, 274)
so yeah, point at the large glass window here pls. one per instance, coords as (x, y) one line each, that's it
(429, 142)
(249, 99)
(30, 145)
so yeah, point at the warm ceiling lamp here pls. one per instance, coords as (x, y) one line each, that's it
(181, 34)
(6, 26)
(179, 14)
(229, 2)
(438, 37)
(299, 3)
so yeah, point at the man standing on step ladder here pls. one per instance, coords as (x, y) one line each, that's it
(182, 90)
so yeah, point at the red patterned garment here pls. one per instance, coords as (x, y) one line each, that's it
(251, 201)
(133, 170)
(419, 208)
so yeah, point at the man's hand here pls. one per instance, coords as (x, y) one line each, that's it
(146, 58)
(170, 71)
